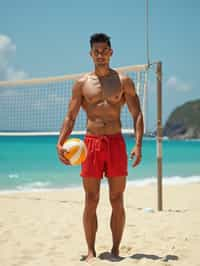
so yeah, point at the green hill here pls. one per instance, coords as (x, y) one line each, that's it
(184, 121)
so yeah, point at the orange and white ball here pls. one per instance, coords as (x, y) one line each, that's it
(76, 151)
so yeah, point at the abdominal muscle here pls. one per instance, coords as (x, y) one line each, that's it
(103, 120)
(102, 127)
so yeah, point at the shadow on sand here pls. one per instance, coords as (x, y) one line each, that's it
(138, 256)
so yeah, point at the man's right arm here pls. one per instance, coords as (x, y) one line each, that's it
(69, 121)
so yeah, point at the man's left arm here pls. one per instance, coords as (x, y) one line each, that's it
(133, 103)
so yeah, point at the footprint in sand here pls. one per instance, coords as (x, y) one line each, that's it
(103, 247)
(125, 249)
(67, 236)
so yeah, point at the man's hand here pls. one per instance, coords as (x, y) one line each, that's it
(61, 156)
(136, 152)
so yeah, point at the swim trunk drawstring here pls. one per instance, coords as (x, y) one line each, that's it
(99, 145)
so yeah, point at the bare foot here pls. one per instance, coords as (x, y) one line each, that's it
(115, 252)
(89, 257)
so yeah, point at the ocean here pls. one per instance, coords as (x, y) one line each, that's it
(29, 163)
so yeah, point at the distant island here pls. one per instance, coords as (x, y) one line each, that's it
(184, 122)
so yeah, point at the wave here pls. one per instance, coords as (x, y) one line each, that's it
(48, 186)
(173, 180)
(34, 186)
(13, 175)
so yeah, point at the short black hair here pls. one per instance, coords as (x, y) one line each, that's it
(100, 37)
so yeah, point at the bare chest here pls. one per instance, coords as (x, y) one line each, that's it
(108, 89)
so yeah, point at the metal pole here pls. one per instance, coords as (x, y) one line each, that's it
(159, 135)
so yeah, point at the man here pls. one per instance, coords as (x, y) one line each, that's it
(101, 94)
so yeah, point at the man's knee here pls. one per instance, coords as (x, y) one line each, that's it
(116, 200)
(91, 200)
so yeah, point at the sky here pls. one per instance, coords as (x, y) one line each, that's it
(50, 38)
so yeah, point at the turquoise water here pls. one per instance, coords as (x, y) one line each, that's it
(28, 163)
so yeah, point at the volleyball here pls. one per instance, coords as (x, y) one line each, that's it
(76, 151)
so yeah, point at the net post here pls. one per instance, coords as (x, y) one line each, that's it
(145, 102)
(159, 134)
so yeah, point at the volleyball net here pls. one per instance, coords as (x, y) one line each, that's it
(38, 106)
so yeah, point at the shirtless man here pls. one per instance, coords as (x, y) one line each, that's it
(102, 94)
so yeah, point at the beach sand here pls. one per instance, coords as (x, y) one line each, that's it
(45, 228)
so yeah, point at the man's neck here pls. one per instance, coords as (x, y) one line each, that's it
(102, 71)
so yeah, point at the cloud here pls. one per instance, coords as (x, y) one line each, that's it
(13, 74)
(7, 52)
(177, 84)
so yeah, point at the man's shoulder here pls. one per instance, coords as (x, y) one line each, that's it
(124, 77)
(128, 84)
(125, 80)
(82, 79)
(79, 82)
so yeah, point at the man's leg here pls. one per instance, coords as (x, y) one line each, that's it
(116, 189)
(91, 187)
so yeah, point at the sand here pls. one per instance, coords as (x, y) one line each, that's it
(45, 228)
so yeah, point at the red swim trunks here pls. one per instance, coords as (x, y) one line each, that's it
(106, 156)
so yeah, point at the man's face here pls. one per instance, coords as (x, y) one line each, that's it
(101, 53)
